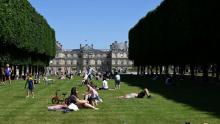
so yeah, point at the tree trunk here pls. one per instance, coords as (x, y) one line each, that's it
(213, 68)
(181, 71)
(156, 70)
(192, 68)
(148, 68)
(20, 70)
(141, 72)
(174, 70)
(205, 72)
(217, 72)
(138, 69)
(151, 70)
(167, 70)
(161, 69)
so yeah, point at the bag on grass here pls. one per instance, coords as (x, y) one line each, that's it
(73, 107)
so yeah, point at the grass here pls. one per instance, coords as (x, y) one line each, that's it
(187, 102)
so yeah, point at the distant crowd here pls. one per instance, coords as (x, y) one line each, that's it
(91, 97)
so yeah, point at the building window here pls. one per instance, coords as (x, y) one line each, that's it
(92, 62)
(125, 62)
(125, 55)
(113, 55)
(75, 55)
(68, 62)
(113, 62)
(61, 55)
(119, 62)
(120, 55)
(99, 62)
(69, 55)
(98, 55)
(104, 55)
(74, 62)
(130, 62)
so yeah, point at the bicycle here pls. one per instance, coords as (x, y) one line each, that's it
(57, 99)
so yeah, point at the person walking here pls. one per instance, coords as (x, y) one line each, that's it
(8, 73)
(117, 81)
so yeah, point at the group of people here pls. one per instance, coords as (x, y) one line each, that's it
(83, 103)
(87, 77)
(91, 97)
(105, 83)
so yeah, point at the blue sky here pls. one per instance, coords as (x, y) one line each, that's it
(97, 22)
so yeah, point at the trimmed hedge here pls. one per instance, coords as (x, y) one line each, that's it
(25, 36)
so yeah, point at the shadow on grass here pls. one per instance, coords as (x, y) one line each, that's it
(199, 95)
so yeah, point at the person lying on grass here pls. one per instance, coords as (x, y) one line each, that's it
(73, 98)
(141, 94)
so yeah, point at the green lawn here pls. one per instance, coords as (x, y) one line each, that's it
(187, 102)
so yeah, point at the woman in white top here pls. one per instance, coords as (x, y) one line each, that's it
(104, 84)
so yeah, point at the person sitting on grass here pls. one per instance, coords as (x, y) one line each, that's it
(141, 94)
(104, 84)
(30, 86)
(73, 98)
(92, 95)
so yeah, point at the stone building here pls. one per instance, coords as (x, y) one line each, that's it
(77, 60)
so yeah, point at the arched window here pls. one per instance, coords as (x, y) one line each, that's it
(113, 62)
(119, 62)
(99, 62)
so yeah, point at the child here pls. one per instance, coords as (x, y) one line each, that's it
(30, 84)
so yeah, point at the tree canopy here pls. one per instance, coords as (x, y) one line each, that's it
(25, 35)
(187, 28)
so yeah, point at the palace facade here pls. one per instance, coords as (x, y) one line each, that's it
(76, 60)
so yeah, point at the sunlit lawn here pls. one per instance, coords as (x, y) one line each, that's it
(165, 107)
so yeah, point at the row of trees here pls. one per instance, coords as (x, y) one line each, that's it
(25, 36)
(178, 32)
